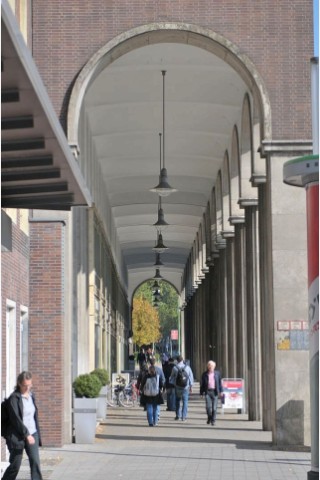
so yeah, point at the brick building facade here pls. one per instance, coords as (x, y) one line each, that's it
(78, 306)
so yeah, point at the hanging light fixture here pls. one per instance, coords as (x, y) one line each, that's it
(158, 262)
(160, 246)
(156, 291)
(156, 285)
(157, 275)
(161, 224)
(163, 188)
(156, 297)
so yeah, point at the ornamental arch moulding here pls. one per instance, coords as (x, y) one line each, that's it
(248, 192)
(236, 214)
(173, 33)
(227, 229)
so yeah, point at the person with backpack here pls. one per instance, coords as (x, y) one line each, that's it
(211, 387)
(182, 378)
(22, 431)
(170, 388)
(152, 386)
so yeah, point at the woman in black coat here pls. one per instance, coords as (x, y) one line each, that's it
(23, 432)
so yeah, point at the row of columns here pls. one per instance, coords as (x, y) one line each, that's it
(223, 316)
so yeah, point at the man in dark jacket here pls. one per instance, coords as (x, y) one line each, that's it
(170, 389)
(211, 386)
(23, 431)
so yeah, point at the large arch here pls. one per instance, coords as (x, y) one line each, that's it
(180, 33)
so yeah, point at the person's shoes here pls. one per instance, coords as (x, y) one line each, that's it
(176, 418)
(150, 424)
(184, 419)
(208, 421)
(213, 422)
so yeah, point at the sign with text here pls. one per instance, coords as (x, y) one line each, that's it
(233, 390)
(174, 335)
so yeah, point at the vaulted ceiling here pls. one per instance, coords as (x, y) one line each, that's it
(124, 111)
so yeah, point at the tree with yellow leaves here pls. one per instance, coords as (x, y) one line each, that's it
(145, 322)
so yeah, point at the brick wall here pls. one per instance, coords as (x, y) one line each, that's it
(276, 36)
(14, 287)
(46, 351)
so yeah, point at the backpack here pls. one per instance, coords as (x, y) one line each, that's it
(151, 388)
(182, 378)
(5, 420)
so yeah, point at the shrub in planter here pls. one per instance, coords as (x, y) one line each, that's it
(102, 374)
(86, 385)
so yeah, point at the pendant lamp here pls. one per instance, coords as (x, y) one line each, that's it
(163, 188)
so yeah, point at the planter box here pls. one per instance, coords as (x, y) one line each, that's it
(85, 419)
(102, 403)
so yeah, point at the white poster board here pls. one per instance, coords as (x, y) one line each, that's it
(233, 393)
(120, 379)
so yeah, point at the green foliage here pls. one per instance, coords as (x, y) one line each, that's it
(168, 307)
(102, 374)
(87, 385)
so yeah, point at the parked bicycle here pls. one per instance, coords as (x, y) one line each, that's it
(122, 394)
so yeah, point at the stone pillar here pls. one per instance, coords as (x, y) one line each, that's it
(222, 318)
(240, 302)
(253, 317)
(230, 311)
(268, 389)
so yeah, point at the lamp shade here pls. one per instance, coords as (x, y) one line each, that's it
(161, 224)
(160, 247)
(163, 188)
(157, 275)
(158, 262)
(155, 285)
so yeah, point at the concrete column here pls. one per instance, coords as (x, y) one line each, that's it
(222, 319)
(268, 381)
(253, 326)
(230, 312)
(240, 302)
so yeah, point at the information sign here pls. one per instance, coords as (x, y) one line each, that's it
(233, 391)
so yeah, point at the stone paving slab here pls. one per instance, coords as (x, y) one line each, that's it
(127, 448)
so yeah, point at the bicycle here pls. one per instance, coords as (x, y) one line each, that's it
(121, 394)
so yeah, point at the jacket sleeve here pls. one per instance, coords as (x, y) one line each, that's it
(202, 385)
(173, 376)
(191, 379)
(220, 389)
(16, 422)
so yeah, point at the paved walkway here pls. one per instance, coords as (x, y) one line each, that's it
(126, 448)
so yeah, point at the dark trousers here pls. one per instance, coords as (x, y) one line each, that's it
(211, 404)
(15, 460)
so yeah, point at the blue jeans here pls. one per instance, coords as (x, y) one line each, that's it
(15, 460)
(182, 394)
(171, 399)
(211, 404)
(153, 411)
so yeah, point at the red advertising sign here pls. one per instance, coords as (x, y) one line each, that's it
(233, 391)
(174, 335)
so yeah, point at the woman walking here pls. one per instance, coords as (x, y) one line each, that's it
(151, 386)
(23, 431)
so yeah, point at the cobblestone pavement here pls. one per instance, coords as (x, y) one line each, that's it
(126, 448)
